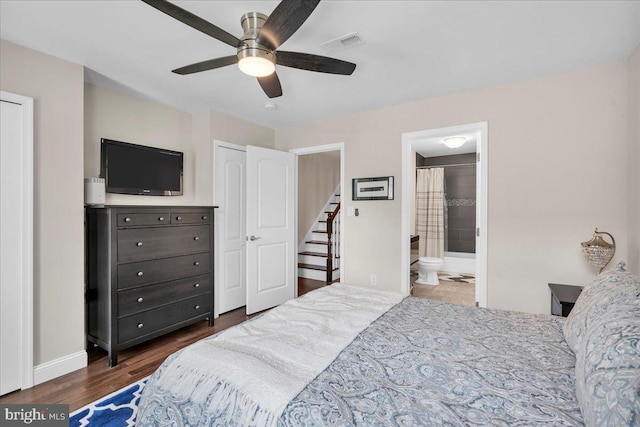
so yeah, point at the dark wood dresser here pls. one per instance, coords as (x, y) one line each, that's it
(149, 272)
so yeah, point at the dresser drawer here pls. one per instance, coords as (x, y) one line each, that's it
(162, 270)
(147, 297)
(133, 220)
(141, 324)
(150, 243)
(190, 218)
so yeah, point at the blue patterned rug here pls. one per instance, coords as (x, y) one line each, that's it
(115, 410)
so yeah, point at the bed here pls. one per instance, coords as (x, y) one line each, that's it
(350, 356)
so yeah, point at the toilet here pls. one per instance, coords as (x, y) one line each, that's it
(428, 268)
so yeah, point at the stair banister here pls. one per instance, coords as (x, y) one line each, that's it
(331, 250)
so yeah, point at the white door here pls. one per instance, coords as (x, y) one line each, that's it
(271, 249)
(10, 247)
(231, 223)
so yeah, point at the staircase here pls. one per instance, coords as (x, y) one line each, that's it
(319, 254)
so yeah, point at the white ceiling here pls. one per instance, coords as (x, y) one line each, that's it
(414, 49)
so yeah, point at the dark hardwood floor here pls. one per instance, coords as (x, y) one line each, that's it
(96, 380)
(308, 285)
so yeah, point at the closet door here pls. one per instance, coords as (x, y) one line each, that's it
(16, 242)
(10, 247)
(231, 221)
(271, 248)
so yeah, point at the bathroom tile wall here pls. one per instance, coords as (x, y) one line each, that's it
(460, 186)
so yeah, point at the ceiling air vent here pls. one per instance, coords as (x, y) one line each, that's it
(342, 43)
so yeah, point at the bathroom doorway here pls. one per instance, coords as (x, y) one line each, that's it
(454, 244)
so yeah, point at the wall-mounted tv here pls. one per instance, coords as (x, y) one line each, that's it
(137, 169)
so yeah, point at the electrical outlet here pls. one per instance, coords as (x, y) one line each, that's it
(373, 280)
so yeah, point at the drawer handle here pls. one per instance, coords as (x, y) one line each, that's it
(127, 219)
(205, 217)
(140, 273)
(139, 244)
(197, 307)
(140, 325)
(161, 218)
(179, 218)
(197, 285)
(197, 263)
(140, 299)
(196, 238)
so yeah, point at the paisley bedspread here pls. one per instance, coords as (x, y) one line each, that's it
(430, 363)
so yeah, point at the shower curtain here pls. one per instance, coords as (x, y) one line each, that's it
(430, 211)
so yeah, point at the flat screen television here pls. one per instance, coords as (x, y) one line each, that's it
(137, 169)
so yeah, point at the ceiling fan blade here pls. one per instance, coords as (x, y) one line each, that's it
(209, 64)
(271, 85)
(320, 64)
(194, 21)
(285, 20)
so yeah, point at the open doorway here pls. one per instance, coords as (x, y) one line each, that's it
(444, 214)
(319, 215)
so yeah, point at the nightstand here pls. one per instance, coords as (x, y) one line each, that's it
(563, 298)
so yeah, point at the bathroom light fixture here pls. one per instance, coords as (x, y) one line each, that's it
(598, 251)
(454, 141)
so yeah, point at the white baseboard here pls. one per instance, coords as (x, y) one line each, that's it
(58, 367)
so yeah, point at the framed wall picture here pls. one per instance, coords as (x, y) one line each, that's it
(380, 188)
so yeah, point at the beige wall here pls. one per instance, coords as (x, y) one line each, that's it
(56, 87)
(633, 167)
(213, 125)
(547, 136)
(113, 115)
(318, 177)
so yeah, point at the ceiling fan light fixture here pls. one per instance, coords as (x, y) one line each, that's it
(256, 49)
(254, 58)
(256, 66)
(454, 141)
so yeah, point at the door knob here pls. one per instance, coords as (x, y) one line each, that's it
(252, 238)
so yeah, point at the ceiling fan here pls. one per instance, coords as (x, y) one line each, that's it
(256, 50)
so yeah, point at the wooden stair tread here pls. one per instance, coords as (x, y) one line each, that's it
(320, 231)
(309, 253)
(313, 267)
(317, 242)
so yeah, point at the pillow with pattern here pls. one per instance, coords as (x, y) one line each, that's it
(608, 363)
(594, 301)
